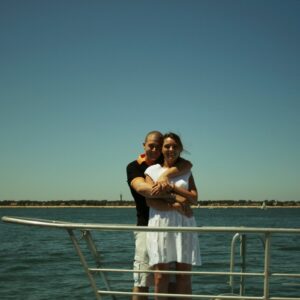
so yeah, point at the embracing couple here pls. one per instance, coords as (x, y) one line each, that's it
(163, 188)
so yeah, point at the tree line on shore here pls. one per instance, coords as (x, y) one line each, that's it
(100, 203)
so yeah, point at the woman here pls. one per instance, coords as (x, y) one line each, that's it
(165, 248)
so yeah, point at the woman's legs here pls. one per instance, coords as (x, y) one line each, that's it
(183, 281)
(161, 281)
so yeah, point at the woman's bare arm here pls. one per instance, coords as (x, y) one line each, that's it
(170, 203)
(163, 185)
(190, 195)
(182, 166)
(158, 203)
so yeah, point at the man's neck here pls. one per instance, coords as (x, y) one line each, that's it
(149, 162)
(145, 159)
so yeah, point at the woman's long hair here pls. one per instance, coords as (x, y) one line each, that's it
(175, 137)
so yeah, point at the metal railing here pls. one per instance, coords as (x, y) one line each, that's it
(240, 232)
(242, 238)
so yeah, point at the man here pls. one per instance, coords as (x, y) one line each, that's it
(139, 190)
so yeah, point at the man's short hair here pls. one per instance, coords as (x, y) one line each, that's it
(154, 132)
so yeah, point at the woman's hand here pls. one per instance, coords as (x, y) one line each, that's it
(182, 200)
(160, 185)
(156, 189)
(183, 209)
(160, 188)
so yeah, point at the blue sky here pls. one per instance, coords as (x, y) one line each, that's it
(82, 82)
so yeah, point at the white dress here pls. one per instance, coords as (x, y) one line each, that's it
(165, 247)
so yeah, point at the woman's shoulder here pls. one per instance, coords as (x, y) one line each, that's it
(154, 171)
(154, 167)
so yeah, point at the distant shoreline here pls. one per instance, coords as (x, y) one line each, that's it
(132, 206)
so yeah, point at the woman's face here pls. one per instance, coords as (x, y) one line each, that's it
(171, 150)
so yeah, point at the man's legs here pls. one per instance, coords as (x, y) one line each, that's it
(141, 262)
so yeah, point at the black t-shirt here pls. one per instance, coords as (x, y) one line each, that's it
(136, 169)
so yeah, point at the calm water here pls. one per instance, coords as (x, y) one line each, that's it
(41, 264)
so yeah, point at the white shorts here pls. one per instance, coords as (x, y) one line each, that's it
(141, 260)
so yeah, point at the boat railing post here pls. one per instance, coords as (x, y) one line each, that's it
(267, 265)
(243, 250)
(84, 263)
(95, 253)
(232, 260)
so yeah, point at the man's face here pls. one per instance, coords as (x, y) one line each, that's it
(152, 148)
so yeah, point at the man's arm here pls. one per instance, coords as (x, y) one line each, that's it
(171, 204)
(168, 203)
(181, 167)
(164, 202)
(145, 188)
